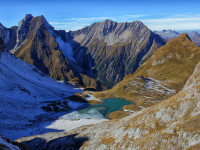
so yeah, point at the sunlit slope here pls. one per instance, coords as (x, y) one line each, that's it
(171, 124)
(161, 76)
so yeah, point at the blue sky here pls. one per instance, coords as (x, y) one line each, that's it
(75, 14)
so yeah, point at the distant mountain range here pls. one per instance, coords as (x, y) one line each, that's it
(97, 56)
(103, 52)
(167, 35)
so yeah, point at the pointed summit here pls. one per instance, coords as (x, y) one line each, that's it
(28, 16)
(183, 37)
(46, 23)
(26, 19)
(173, 63)
(107, 21)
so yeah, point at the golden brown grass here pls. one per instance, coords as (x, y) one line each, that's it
(172, 65)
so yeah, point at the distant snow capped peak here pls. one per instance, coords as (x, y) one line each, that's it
(193, 33)
(170, 31)
(167, 34)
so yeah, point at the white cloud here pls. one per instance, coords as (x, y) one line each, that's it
(175, 22)
(78, 23)
(178, 23)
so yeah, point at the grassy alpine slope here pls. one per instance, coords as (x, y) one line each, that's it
(161, 76)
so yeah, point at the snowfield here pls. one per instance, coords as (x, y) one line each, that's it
(66, 48)
(67, 125)
(24, 90)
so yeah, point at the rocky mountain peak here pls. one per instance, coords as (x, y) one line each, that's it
(3, 32)
(28, 16)
(167, 35)
(45, 23)
(25, 20)
(169, 31)
(23, 29)
(118, 45)
(107, 21)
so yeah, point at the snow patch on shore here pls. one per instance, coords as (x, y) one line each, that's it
(67, 125)
(91, 97)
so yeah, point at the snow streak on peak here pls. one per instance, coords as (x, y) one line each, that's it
(66, 48)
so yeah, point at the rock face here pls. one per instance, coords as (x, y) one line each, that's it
(171, 124)
(38, 47)
(117, 49)
(161, 76)
(2, 46)
(35, 41)
(8, 35)
(195, 37)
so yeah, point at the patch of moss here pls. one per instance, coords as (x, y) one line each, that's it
(118, 114)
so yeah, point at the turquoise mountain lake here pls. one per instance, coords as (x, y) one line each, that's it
(100, 110)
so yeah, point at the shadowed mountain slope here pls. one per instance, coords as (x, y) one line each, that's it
(117, 48)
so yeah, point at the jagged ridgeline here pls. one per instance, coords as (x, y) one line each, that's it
(35, 41)
(103, 52)
(116, 48)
